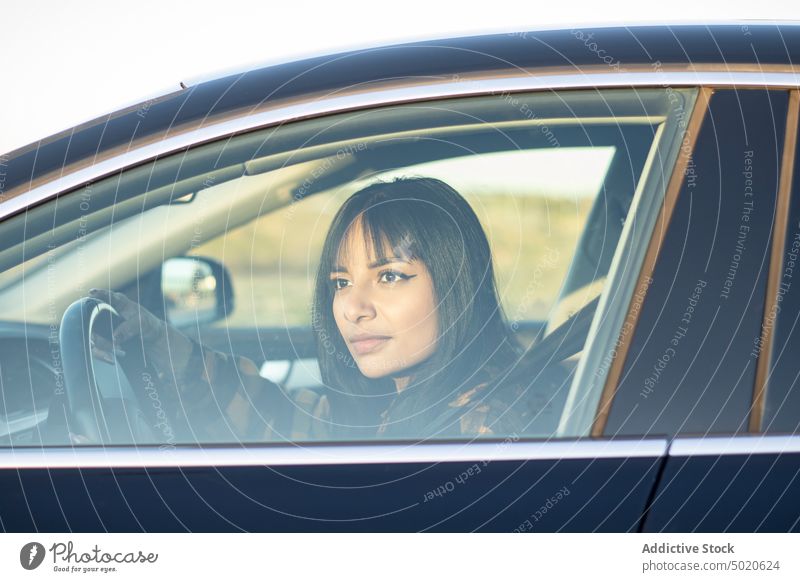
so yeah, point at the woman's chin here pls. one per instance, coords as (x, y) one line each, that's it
(373, 373)
(375, 369)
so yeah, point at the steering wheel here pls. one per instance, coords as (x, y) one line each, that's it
(91, 415)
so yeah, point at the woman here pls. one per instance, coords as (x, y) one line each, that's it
(409, 330)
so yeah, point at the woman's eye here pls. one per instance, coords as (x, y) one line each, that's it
(392, 276)
(338, 283)
(388, 277)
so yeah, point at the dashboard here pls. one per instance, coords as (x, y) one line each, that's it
(30, 365)
(33, 400)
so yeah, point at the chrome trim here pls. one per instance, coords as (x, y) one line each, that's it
(322, 454)
(735, 445)
(403, 91)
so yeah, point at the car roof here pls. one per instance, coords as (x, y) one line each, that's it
(574, 49)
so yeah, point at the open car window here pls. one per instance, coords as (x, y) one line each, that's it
(223, 242)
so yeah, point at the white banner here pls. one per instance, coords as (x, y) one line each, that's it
(401, 557)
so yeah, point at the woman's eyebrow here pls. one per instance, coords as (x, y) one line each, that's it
(373, 265)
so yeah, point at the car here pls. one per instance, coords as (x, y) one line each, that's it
(638, 186)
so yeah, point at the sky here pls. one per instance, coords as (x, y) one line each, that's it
(68, 62)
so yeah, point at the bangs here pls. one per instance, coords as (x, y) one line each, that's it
(384, 232)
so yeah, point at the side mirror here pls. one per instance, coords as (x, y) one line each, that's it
(196, 291)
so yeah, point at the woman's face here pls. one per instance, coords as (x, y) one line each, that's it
(385, 310)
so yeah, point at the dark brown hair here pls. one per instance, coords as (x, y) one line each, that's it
(427, 220)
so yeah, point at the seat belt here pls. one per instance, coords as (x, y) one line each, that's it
(553, 348)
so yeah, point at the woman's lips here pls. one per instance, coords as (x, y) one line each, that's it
(370, 345)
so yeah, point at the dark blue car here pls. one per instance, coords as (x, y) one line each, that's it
(639, 190)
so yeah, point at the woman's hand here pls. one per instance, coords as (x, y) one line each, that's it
(163, 344)
(138, 321)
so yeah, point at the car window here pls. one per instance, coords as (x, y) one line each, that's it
(224, 241)
(691, 365)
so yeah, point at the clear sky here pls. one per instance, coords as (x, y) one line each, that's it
(68, 62)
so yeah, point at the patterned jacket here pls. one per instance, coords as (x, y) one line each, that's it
(223, 398)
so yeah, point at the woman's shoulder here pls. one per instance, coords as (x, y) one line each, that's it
(507, 403)
(488, 407)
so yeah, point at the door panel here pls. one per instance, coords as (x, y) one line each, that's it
(741, 484)
(557, 493)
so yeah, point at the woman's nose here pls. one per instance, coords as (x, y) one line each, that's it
(358, 305)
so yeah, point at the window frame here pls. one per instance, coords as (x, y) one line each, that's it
(779, 238)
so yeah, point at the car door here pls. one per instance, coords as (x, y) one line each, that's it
(709, 363)
(555, 476)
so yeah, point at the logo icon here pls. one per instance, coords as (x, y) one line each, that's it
(31, 555)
